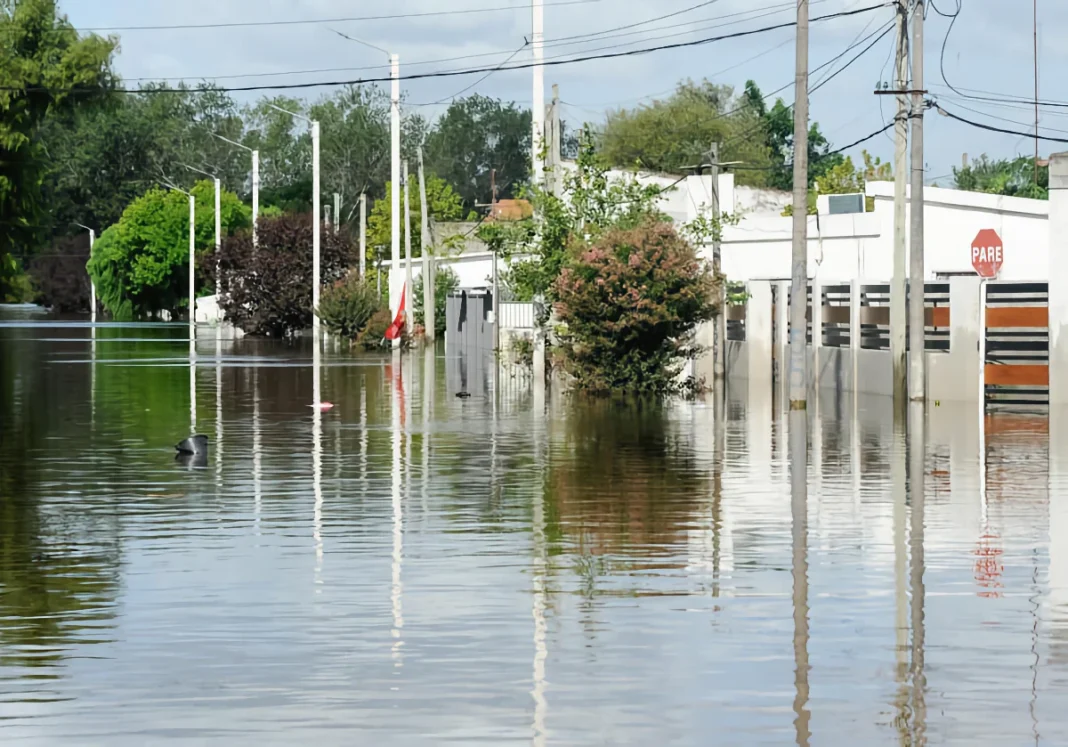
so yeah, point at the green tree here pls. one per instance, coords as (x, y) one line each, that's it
(45, 67)
(1013, 177)
(674, 134)
(140, 265)
(475, 136)
(777, 128)
(443, 204)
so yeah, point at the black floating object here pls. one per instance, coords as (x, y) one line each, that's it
(463, 395)
(197, 445)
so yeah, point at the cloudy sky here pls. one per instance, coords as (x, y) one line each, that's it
(989, 51)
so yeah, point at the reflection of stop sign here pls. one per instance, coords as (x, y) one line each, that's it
(987, 253)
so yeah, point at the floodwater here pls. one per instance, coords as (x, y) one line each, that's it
(415, 568)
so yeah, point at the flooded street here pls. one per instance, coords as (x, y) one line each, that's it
(411, 567)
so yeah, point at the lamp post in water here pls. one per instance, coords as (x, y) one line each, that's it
(255, 184)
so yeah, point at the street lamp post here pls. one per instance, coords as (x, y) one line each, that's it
(218, 230)
(255, 185)
(316, 217)
(92, 285)
(192, 261)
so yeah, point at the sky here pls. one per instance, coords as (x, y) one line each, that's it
(990, 49)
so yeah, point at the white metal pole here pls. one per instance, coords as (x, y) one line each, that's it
(316, 227)
(192, 268)
(363, 235)
(395, 177)
(92, 285)
(409, 317)
(337, 212)
(255, 197)
(538, 104)
(218, 244)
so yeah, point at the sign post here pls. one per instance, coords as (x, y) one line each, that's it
(988, 253)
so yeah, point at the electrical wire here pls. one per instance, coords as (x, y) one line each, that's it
(992, 128)
(480, 80)
(312, 21)
(454, 73)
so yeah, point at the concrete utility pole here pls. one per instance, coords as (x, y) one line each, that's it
(538, 102)
(555, 138)
(798, 375)
(337, 212)
(409, 315)
(316, 232)
(901, 136)
(363, 234)
(426, 248)
(917, 360)
(395, 177)
(719, 334)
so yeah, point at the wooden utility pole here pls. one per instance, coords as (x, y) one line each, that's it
(425, 246)
(798, 375)
(917, 360)
(897, 288)
(719, 333)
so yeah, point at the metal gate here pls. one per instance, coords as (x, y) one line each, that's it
(1016, 346)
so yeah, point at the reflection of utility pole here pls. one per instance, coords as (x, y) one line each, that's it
(798, 437)
(917, 499)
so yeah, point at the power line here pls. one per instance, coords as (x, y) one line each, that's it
(992, 128)
(312, 21)
(470, 71)
(484, 77)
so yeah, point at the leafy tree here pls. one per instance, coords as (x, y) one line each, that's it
(475, 136)
(1012, 177)
(45, 67)
(59, 277)
(140, 265)
(446, 281)
(777, 127)
(844, 178)
(673, 135)
(268, 287)
(443, 204)
(628, 306)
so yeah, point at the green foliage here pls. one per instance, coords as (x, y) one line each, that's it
(446, 281)
(673, 135)
(844, 178)
(45, 67)
(475, 136)
(523, 351)
(628, 306)
(1014, 178)
(443, 204)
(59, 276)
(348, 305)
(140, 265)
(267, 288)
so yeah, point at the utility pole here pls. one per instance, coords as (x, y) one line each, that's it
(395, 177)
(329, 218)
(429, 315)
(409, 316)
(917, 353)
(719, 334)
(337, 212)
(555, 137)
(192, 267)
(218, 244)
(538, 102)
(363, 234)
(798, 375)
(1036, 89)
(92, 284)
(255, 198)
(897, 287)
(316, 231)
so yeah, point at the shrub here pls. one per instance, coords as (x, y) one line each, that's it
(141, 264)
(267, 289)
(445, 282)
(628, 307)
(59, 276)
(373, 335)
(347, 306)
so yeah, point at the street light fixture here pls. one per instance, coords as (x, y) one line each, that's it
(316, 217)
(255, 184)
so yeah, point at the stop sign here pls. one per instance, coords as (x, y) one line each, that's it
(987, 253)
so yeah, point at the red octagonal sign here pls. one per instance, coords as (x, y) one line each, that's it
(987, 253)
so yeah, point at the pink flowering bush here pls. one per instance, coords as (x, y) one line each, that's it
(628, 306)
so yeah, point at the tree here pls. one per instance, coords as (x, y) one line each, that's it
(443, 204)
(475, 136)
(777, 126)
(268, 287)
(140, 265)
(674, 135)
(1014, 178)
(58, 273)
(46, 67)
(628, 306)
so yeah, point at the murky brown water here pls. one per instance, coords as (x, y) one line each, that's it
(415, 568)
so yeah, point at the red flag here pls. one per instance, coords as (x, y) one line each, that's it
(397, 327)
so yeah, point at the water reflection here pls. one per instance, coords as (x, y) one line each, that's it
(544, 569)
